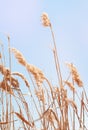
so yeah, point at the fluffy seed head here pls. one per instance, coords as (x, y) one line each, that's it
(36, 72)
(19, 56)
(45, 20)
(75, 75)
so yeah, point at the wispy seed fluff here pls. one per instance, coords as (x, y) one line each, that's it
(75, 75)
(45, 20)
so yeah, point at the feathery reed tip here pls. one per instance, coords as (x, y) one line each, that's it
(75, 74)
(19, 56)
(45, 20)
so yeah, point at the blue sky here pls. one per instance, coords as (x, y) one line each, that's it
(22, 20)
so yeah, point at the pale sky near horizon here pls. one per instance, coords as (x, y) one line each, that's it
(22, 20)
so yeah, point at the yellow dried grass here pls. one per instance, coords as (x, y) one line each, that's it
(71, 102)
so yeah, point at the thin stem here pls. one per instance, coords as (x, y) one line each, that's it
(10, 76)
(83, 110)
(74, 101)
(57, 59)
(73, 112)
(85, 94)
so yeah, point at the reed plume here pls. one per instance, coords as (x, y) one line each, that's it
(75, 75)
(36, 72)
(45, 20)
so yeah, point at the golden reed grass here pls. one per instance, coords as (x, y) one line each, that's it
(45, 20)
(36, 72)
(51, 109)
(75, 75)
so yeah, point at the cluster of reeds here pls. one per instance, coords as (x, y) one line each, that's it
(33, 103)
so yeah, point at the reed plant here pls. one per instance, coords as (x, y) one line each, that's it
(43, 106)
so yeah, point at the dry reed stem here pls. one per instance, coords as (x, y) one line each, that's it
(40, 94)
(55, 92)
(51, 117)
(4, 123)
(71, 102)
(23, 119)
(0, 55)
(46, 22)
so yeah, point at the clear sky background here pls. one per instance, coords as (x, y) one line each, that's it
(22, 20)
